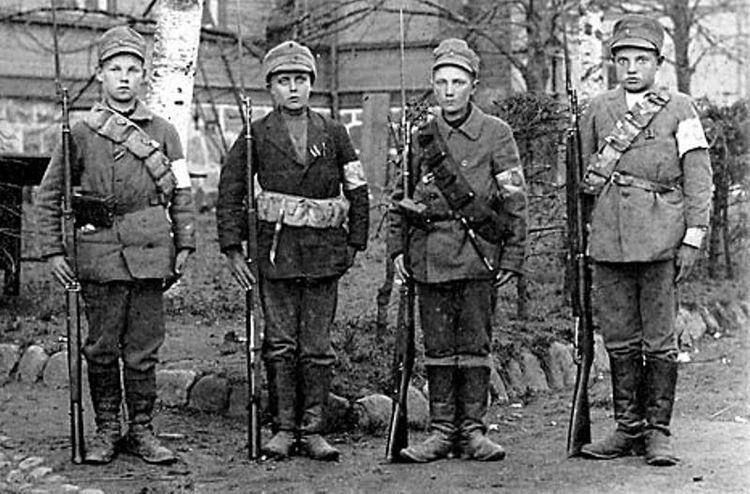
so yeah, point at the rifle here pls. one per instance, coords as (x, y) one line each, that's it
(72, 290)
(398, 430)
(253, 337)
(578, 208)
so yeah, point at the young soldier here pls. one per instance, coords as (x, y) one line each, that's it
(652, 192)
(129, 163)
(454, 287)
(312, 204)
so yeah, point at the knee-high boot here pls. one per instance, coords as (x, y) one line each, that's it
(441, 382)
(473, 394)
(661, 381)
(106, 396)
(140, 396)
(316, 381)
(282, 394)
(627, 383)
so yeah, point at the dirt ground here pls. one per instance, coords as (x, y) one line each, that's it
(712, 433)
(711, 430)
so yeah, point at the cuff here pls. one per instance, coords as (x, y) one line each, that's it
(694, 236)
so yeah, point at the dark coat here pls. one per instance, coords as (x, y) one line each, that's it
(486, 152)
(145, 236)
(302, 251)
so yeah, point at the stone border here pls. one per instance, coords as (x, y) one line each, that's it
(527, 372)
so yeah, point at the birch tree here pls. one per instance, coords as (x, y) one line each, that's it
(169, 87)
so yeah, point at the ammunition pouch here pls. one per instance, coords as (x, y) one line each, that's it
(627, 129)
(302, 211)
(486, 218)
(121, 130)
(93, 209)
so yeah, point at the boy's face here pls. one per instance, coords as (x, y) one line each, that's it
(453, 88)
(636, 68)
(121, 77)
(290, 90)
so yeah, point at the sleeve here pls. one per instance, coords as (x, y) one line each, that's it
(689, 133)
(508, 174)
(49, 196)
(697, 189)
(174, 152)
(692, 147)
(589, 136)
(355, 189)
(230, 205)
(181, 209)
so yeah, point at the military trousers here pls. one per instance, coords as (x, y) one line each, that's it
(298, 314)
(125, 320)
(635, 303)
(456, 322)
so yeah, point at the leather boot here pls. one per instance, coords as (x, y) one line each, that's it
(282, 400)
(316, 380)
(661, 381)
(627, 382)
(441, 382)
(140, 395)
(473, 394)
(106, 396)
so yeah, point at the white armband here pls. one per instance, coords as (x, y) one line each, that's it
(690, 136)
(354, 175)
(511, 180)
(694, 236)
(180, 170)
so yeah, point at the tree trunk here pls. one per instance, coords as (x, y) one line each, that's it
(679, 13)
(170, 82)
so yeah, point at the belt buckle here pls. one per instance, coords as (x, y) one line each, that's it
(620, 179)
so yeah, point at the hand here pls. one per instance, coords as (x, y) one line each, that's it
(401, 272)
(61, 270)
(503, 276)
(687, 255)
(238, 265)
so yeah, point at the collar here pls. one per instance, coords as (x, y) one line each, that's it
(471, 128)
(141, 113)
(278, 134)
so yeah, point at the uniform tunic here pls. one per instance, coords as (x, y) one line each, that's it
(454, 286)
(121, 284)
(635, 233)
(299, 290)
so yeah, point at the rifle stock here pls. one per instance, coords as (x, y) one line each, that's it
(73, 290)
(578, 208)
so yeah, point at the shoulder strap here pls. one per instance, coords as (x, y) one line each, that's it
(456, 190)
(123, 131)
(625, 132)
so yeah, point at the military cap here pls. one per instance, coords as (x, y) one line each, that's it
(288, 56)
(637, 31)
(121, 39)
(456, 52)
